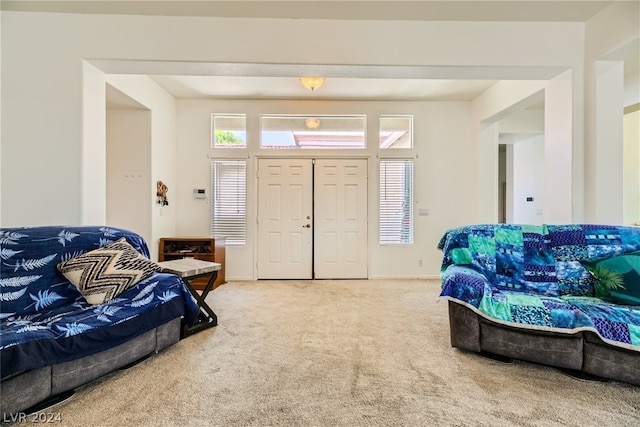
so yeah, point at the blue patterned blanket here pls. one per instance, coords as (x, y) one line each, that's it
(531, 277)
(45, 320)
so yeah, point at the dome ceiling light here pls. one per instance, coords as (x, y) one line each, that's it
(312, 123)
(312, 83)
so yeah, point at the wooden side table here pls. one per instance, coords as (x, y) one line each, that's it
(204, 248)
(189, 269)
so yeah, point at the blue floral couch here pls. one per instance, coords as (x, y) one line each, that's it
(51, 339)
(524, 292)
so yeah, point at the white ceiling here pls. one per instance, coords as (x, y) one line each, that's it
(261, 81)
(412, 10)
(238, 87)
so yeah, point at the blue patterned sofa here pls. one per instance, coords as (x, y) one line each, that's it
(51, 339)
(523, 292)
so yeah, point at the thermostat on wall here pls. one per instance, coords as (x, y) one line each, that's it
(199, 193)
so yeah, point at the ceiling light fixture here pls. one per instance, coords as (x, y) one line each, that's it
(312, 83)
(312, 123)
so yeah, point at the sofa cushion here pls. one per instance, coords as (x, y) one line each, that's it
(103, 274)
(572, 243)
(617, 278)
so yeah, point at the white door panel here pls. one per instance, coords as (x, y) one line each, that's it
(340, 219)
(285, 200)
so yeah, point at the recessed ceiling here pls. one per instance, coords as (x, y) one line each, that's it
(345, 82)
(333, 88)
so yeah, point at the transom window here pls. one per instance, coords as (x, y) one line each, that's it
(228, 131)
(312, 132)
(396, 131)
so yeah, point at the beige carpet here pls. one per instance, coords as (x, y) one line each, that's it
(339, 353)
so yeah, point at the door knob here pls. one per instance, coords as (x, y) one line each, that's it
(306, 226)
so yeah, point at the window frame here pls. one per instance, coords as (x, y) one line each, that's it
(240, 189)
(410, 130)
(310, 131)
(213, 145)
(385, 226)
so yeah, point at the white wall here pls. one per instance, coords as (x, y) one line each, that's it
(631, 167)
(489, 109)
(632, 87)
(0, 124)
(487, 166)
(509, 172)
(631, 150)
(518, 127)
(162, 151)
(41, 127)
(563, 142)
(563, 150)
(129, 170)
(528, 181)
(58, 43)
(93, 172)
(609, 166)
(612, 36)
(443, 173)
(529, 121)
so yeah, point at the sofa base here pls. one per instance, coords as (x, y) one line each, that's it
(29, 389)
(50, 402)
(580, 352)
(582, 375)
(496, 357)
(531, 346)
(610, 362)
(25, 390)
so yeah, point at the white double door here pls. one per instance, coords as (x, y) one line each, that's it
(312, 219)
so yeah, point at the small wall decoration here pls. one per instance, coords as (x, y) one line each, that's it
(161, 193)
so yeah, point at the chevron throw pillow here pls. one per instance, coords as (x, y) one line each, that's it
(103, 274)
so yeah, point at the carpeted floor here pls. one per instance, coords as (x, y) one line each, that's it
(339, 353)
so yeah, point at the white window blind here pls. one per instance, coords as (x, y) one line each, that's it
(229, 207)
(396, 201)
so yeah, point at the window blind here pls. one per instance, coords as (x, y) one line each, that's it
(396, 201)
(229, 207)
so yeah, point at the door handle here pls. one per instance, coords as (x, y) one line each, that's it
(306, 226)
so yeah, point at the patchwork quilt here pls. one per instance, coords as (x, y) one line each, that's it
(45, 320)
(531, 277)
